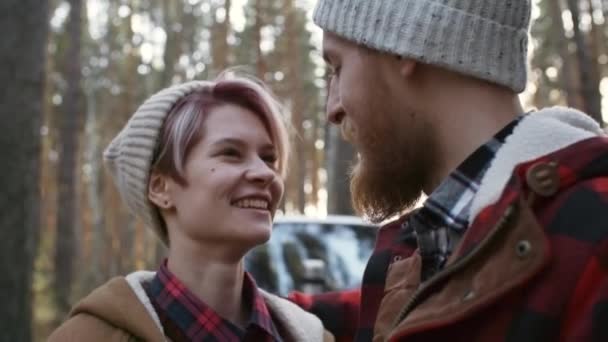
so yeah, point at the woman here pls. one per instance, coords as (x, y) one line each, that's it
(202, 164)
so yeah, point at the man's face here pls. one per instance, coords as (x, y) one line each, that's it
(369, 98)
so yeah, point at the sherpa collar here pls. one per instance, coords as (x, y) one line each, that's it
(538, 134)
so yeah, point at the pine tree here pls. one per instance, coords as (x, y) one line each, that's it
(22, 54)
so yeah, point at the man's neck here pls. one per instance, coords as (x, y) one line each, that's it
(467, 118)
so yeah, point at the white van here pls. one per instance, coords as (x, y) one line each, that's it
(313, 255)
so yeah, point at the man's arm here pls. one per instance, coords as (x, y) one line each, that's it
(339, 311)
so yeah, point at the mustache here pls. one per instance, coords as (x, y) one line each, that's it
(347, 131)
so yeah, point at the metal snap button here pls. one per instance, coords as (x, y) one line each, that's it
(543, 178)
(397, 258)
(523, 248)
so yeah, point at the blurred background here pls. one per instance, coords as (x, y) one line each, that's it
(74, 71)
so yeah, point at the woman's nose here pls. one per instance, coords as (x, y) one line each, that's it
(260, 172)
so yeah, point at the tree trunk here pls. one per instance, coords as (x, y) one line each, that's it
(220, 49)
(597, 47)
(315, 158)
(22, 56)
(129, 105)
(340, 156)
(598, 44)
(590, 87)
(570, 83)
(260, 65)
(298, 108)
(172, 44)
(65, 252)
(95, 191)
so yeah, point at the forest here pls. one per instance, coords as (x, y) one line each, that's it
(74, 71)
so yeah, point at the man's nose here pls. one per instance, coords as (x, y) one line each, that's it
(334, 109)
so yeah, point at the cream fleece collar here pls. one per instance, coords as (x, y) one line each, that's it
(301, 325)
(538, 134)
(136, 281)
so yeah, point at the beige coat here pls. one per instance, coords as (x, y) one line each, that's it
(121, 311)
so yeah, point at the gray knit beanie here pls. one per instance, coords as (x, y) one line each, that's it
(486, 39)
(129, 155)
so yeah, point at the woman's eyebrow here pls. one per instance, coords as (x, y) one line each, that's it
(229, 141)
(240, 143)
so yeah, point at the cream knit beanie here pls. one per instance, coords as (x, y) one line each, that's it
(129, 155)
(486, 39)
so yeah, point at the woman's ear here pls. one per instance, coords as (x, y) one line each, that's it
(158, 191)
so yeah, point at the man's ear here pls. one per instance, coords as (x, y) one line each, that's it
(158, 191)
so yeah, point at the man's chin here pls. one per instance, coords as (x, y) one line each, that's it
(379, 195)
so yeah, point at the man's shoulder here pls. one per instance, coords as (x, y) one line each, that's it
(580, 212)
(577, 207)
(569, 187)
(584, 162)
(583, 154)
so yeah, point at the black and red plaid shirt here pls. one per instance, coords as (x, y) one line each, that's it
(575, 223)
(184, 317)
(444, 218)
(434, 229)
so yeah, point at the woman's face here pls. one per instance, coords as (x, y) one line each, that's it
(233, 186)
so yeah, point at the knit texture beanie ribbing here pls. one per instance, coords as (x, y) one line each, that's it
(486, 39)
(129, 155)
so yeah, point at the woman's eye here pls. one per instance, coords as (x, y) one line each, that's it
(230, 152)
(270, 159)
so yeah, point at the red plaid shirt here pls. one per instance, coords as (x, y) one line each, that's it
(398, 240)
(568, 301)
(186, 318)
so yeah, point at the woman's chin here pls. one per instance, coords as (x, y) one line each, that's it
(262, 235)
(256, 236)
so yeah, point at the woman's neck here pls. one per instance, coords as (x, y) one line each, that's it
(218, 284)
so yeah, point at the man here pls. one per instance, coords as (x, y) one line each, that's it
(512, 242)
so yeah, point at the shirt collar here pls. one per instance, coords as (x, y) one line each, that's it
(188, 317)
(443, 219)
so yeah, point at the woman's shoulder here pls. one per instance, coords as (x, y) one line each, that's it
(114, 311)
(301, 325)
(87, 327)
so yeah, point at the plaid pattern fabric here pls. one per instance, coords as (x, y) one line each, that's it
(567, 301)
(435, 228)
(443, 219)
(186, 318)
